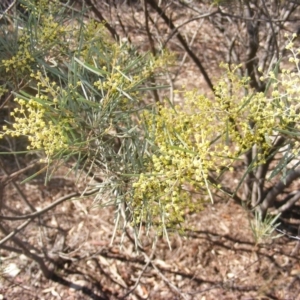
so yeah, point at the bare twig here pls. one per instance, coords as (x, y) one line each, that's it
(272, 28)
(252, 47)
(142, 272)
(121, 23)
(288, 235)
(175, 30)
(15, 231)
(102, 19)
(4, 180)
(193, 56)
(276, 190)
(288, 204)
(152, 47)
(16, 186)
(51, 206)
(296, 249)
(164, 278)
(49, 274)
(185, 54)
(8, 9)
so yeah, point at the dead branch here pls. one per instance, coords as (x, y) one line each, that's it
(14, 232)
(4, 180)
(49, 274)
(152, 47)
(276, 190)
(16, 186)
(164, 278)
(51, 206)
(102, 19)
(289, 203)
(142, 272)
(193, 56)
(175, 30)
(8, 9)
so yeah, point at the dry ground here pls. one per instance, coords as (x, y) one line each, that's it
(218, 259)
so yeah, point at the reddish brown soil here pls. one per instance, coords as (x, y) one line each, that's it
(218, 259)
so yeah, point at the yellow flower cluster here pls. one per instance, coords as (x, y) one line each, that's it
(246, 117)
(48, 87)
(50, 37)
(22, 61)
(38, 7)
(42, 133)
(204, 137)
(122, 79)
(47, 119)
(116, 86)
(94, 40)
(3, 90)
(51, 31)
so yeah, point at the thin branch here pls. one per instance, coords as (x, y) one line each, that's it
(164, 278)
(49, 207)
(276, 190)
(288, 204)
(9, 177)
(296, 248)
(175, 30)
(16, 186)
(252, 48)
(171, 25)
(49, 274)
(151, 42)
(8, 9)
(121, 23)
(15, 231)
(11, 249)
(226, 191)
(259, 178)
(142, 272)
(255, 18)
(152, 48)
(290, 236)
(272, 28)
(102, 19)
(185, 54)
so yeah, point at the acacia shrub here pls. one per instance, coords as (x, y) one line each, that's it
(78, 95)
(238, 127)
